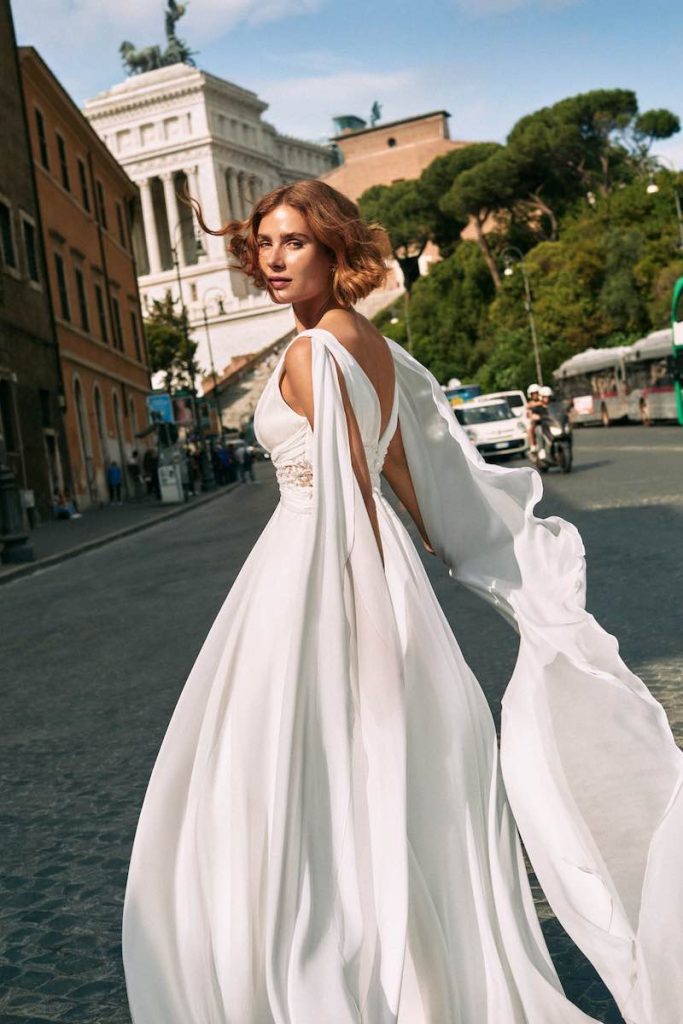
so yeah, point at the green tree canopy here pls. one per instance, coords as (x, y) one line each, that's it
(437, 179)
(406, 214)
(171, 349)
(569, 188)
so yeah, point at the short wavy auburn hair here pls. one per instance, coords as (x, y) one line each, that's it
(358, 249)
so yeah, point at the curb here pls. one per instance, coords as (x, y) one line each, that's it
(29, 568)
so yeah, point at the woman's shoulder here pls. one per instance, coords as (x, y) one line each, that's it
(354, 331)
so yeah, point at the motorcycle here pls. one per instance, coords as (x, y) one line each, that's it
(556, 435)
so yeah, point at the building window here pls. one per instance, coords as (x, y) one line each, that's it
(31, 249)
(7, 422)
(45, 407)
(9, 253)
(116, 317)
(63, 165)
(136, 335)
(101, 315)
(82, 299)
(121, 226)
(42, 140)
(85, 191)
(61, 287)
(101, 208)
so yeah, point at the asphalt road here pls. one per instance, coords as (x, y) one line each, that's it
(94, 653)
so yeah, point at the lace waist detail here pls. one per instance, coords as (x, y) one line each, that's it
(295, 474)
(295, 477)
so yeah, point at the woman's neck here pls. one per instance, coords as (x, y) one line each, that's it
(309, 312)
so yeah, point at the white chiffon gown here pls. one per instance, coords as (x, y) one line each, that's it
(327, 836)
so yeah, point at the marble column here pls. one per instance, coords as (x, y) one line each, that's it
(242, 189)
(233, 194)
(192, 174)
(173, 215)
(150, 226)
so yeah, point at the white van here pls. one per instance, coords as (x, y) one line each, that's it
(515, 399)
(493, 427)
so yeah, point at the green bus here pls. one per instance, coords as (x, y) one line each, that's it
(677, 338)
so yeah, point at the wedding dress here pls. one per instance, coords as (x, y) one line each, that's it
(327, 836)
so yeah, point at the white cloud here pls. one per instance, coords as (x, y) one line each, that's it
(305, 105)
(671, 150)
(482, 8)
(87, 22)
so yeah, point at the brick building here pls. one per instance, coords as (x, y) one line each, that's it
(396, 151)
(86, 200)
(387, 153)
(31, 433)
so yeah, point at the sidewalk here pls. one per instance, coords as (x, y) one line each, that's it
(59, 539)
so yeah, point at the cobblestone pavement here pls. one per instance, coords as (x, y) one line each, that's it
(55, 537)
(96, 650)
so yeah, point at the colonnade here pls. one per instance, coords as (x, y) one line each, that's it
(240, 189)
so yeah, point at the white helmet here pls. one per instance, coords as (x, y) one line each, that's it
(532, 390)
(546, 392)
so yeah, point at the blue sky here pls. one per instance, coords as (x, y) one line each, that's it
(488, 62)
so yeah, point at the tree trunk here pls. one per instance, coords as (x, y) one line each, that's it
(483, 244)
(537, 201)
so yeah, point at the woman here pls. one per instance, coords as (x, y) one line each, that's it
(326, 837)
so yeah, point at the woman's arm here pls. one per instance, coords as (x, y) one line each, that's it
(397, 473)
(297, 391)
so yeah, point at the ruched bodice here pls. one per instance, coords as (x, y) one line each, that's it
(287, 436)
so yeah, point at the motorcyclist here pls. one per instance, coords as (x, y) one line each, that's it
(545, 396)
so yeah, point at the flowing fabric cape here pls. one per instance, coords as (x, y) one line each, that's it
(590, 766)
(591, 769)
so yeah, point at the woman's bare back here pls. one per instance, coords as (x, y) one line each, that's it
(369, 349)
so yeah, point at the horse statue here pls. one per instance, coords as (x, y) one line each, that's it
(149, 58)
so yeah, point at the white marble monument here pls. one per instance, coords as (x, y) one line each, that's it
(178, 125)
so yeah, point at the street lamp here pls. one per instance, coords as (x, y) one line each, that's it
(653, 188)
(220, 302)
(511, 256)
(396, 320)
(208, 479)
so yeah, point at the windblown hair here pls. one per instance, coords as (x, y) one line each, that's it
(358, 249)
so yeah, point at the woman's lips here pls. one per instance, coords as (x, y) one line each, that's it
(279, 282)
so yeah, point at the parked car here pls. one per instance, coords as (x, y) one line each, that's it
(515, 399)
(493, 427)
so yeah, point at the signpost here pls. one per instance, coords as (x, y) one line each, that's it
(160, 408)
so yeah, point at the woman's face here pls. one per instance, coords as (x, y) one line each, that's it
(296, 266)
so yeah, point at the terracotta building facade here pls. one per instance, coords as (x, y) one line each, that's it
(388, 153)
(86, 202)
(32, 443)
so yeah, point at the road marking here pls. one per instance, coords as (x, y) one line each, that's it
(630, 448)
(652, 501)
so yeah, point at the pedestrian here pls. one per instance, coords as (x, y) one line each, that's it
(134, 471)
(224, 458)
(216, 465)
(63, 505)
(150, 466)
(533, 413)
(114, 478)
(248, 464)
(240, 449)
(330, 832)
